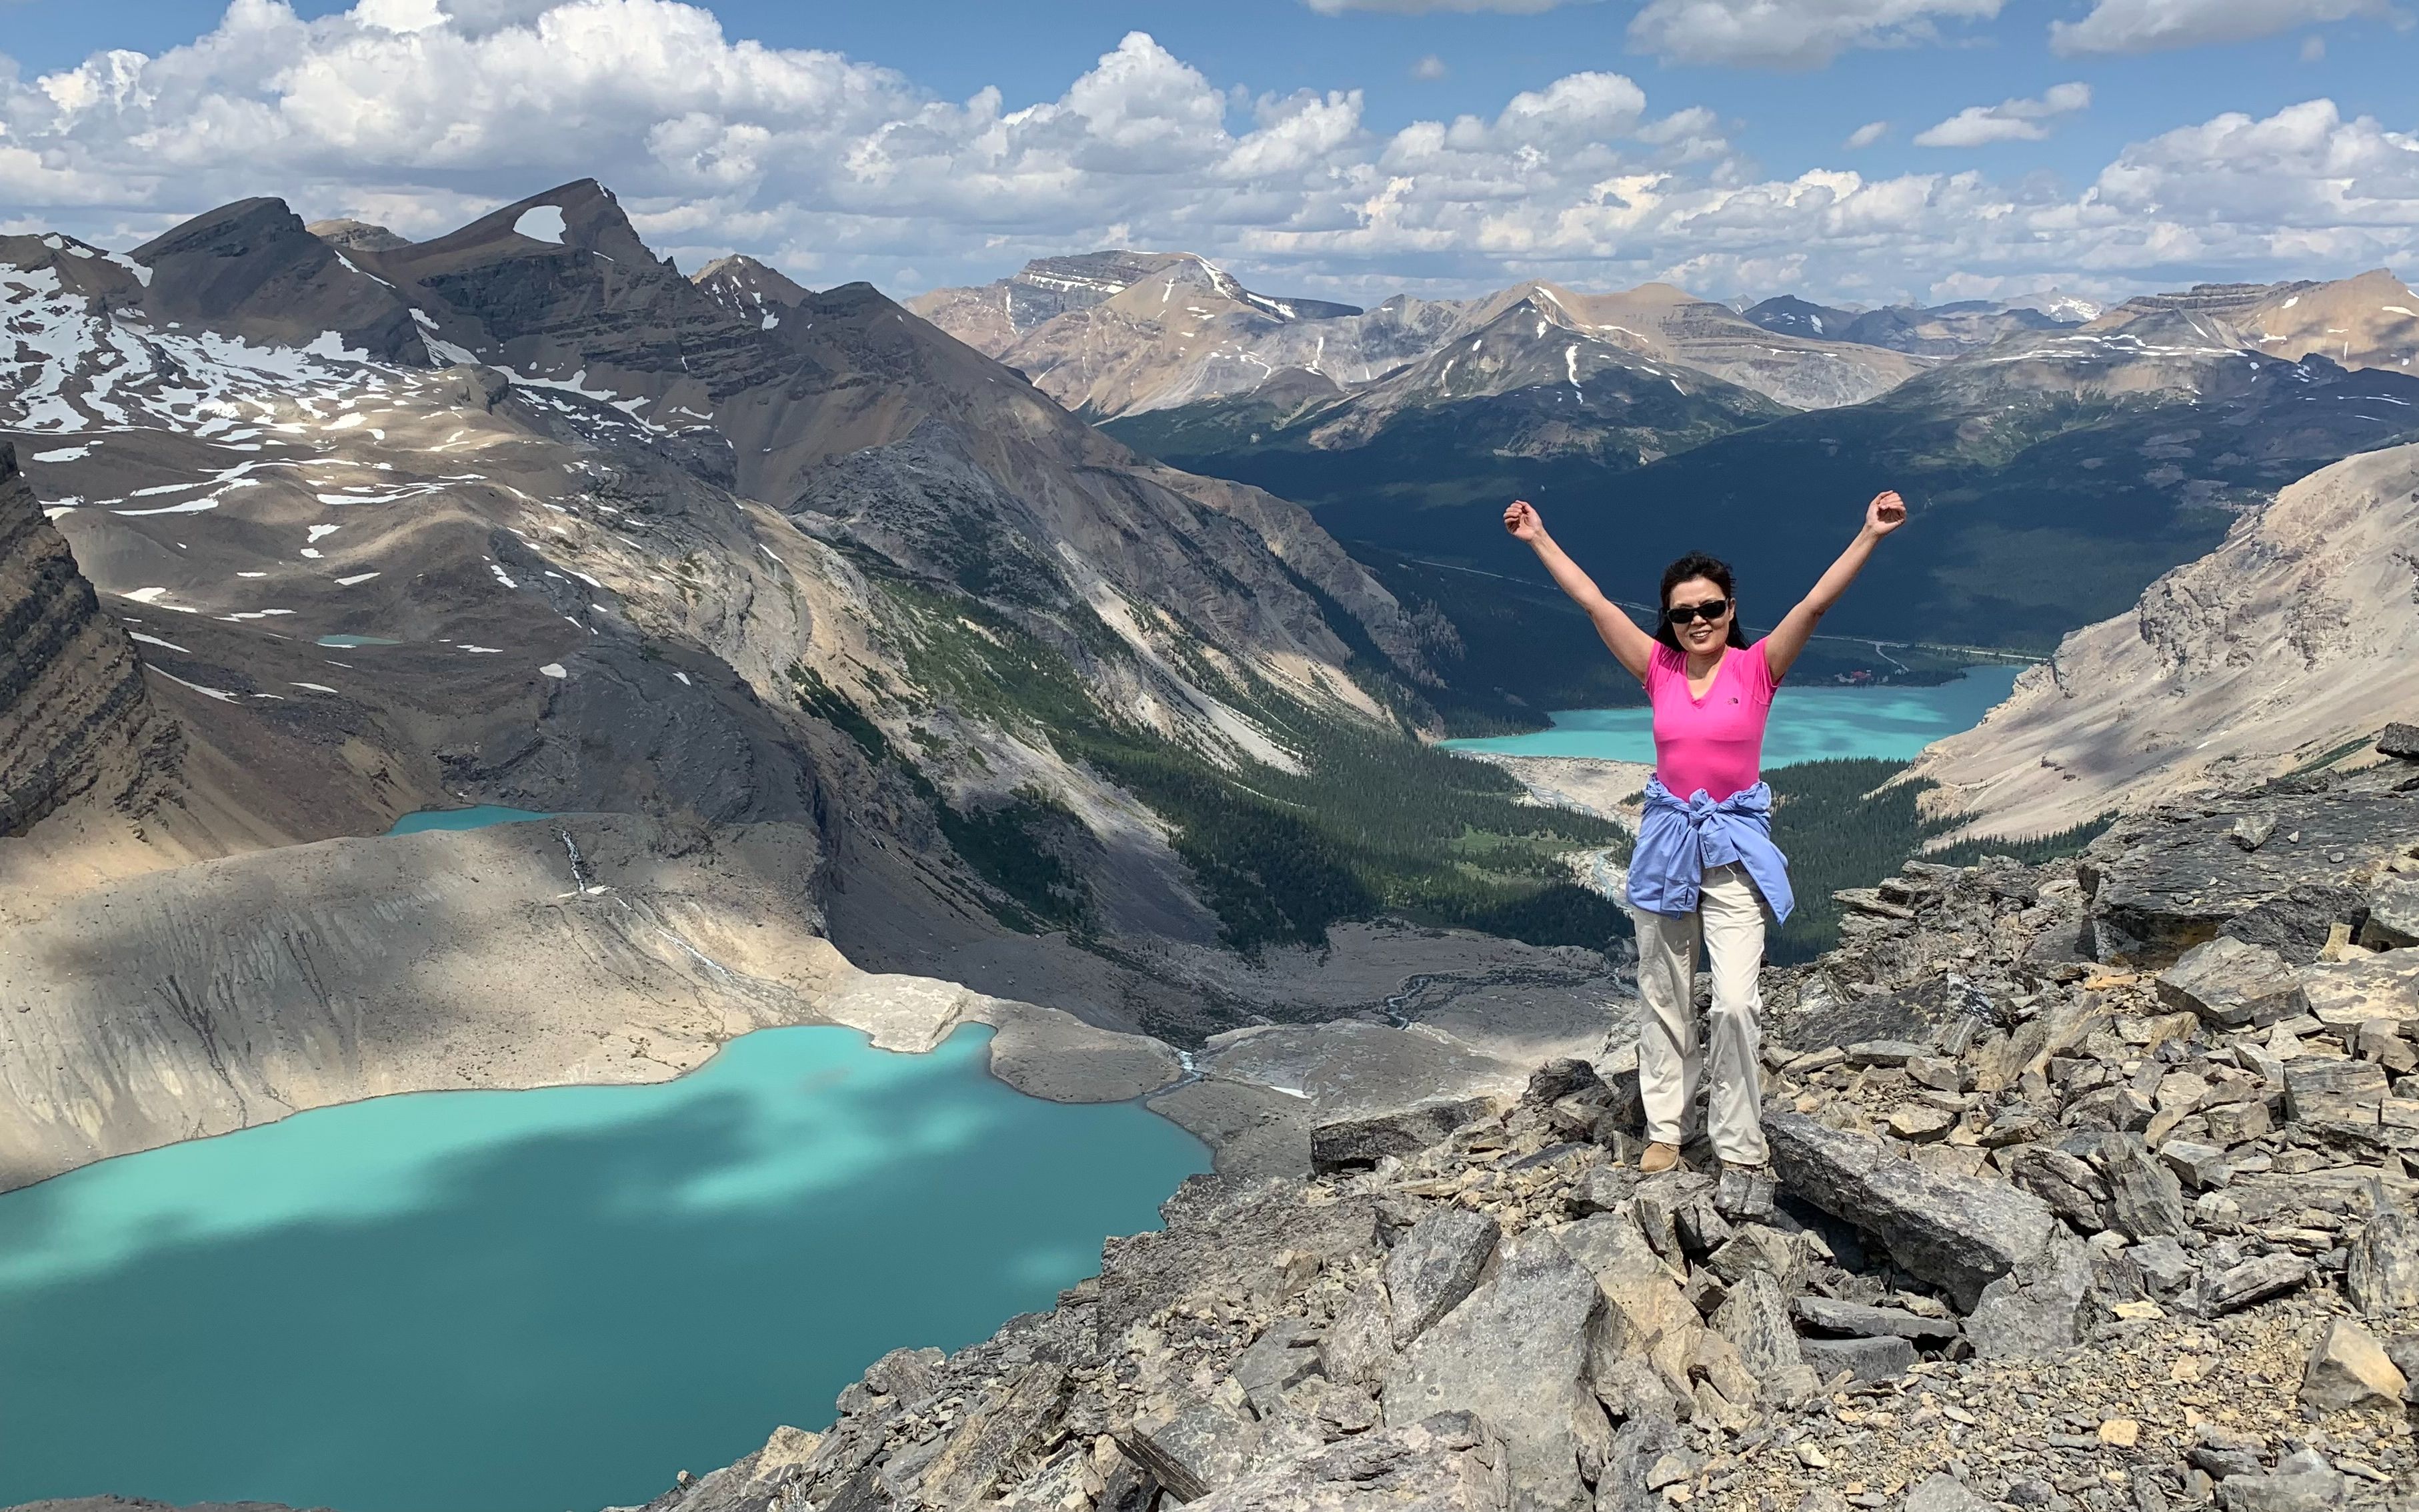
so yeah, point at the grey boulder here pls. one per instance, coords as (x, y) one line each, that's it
(1446, 1463)
(2067, 1182)
(1285, 1355)
(1959, 1232)
(2382, 1275)
(2232, 983)
(2349, 1368)
(1358, 1348)
(1641, 1444)
(1194, 1449)
(2145, 1200)
(2040, 1306)
(2393, 914)
(2301, 1482)
(1859, 1321)
(1943, 1493)
(1516, 1354)
(1434, 1266)
(1883, 1358)
(2255, 1280)
(1352, 1142)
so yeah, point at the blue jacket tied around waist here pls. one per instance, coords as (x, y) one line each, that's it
(1679, 842)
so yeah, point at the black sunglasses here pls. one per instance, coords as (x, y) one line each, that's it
(1710, 610)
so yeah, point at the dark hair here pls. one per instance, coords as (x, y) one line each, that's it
(1696, 565)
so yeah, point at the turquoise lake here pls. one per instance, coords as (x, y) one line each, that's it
(534, 1301)
(477, 817)
(1808, 724)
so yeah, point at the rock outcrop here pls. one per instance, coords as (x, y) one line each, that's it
(2296, 638)
(2093, 1281)
(75, 717)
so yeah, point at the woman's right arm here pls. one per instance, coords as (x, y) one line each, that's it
(1630, 646)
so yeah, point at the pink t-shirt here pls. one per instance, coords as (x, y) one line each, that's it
(1715, 742)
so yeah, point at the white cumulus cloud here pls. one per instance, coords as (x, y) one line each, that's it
(2153, 25)
(1790, 33)
(1866, 135)
(835, 169)
(2010, 120)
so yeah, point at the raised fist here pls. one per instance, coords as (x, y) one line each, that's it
(1886, 513)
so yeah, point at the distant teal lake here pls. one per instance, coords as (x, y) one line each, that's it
(529, 1302)
(477, 817)
(1808, 724)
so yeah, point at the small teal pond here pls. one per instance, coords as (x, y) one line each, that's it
(477, 817)
(529, 1302)
(351, 641)
(1814, 724)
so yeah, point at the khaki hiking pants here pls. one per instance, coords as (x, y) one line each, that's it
(1730, 917)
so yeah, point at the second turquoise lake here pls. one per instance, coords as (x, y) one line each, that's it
(1820, 722)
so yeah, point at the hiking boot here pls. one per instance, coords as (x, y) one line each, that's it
(1744, 1191)
(1658, 1158)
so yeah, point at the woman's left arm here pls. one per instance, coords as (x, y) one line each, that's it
(1886, 513)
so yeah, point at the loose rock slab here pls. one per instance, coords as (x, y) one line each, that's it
(1959, 1232)
(1433, 1266)
(1514, 1353)
(1441, 1464)
(2349, 1368)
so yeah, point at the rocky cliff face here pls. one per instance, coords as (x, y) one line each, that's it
(75, 718)
(2296, 637)
(2093, 1190)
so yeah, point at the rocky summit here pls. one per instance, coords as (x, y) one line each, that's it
(2092, 1188)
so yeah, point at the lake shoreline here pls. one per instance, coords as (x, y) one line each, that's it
(1824, 721)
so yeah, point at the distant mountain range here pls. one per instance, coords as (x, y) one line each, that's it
(1936, 330)
(1109, 334)
(2056, 468)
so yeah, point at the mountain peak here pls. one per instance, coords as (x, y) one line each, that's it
(746, 287)
(581, 216)
(356, 236)
(250, 270)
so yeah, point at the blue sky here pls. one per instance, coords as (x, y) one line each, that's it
(1687, 150)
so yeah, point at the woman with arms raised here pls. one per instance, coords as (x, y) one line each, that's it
(1704, 864)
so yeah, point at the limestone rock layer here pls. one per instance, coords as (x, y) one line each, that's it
(74, 715)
